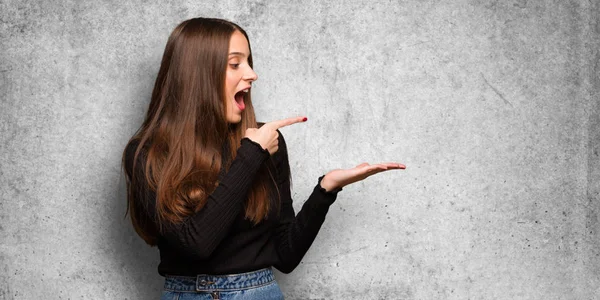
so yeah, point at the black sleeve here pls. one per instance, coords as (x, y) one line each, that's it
(295, 233)
(199, 234)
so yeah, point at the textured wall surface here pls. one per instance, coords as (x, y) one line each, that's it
(492, 105)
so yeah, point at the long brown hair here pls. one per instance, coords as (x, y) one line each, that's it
(185, 128)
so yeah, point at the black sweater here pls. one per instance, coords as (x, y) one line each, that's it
(218, 239)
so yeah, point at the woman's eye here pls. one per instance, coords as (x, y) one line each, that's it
(235, 66)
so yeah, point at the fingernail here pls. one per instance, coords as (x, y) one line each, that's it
(304, 119)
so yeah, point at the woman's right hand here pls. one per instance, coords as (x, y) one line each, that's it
(267, 135)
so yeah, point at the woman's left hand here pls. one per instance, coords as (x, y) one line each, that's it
(341, 177)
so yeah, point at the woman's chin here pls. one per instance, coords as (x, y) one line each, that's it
(236, 118)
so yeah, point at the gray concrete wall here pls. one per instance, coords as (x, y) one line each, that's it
(492, 105)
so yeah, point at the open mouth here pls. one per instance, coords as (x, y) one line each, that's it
(239, 99)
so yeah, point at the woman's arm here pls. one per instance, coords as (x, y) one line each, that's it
(201, 233)
(295, 233)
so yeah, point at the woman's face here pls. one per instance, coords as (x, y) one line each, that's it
(238, 78)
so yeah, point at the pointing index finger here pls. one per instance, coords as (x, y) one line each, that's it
(286, 122)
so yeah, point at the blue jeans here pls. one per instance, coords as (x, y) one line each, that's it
(258, 284)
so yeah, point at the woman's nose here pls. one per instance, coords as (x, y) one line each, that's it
(250, 75)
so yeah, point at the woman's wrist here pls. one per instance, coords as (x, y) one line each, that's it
(327, 184)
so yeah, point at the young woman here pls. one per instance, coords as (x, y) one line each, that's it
(209, 185)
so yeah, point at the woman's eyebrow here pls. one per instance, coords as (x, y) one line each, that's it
(237, 53)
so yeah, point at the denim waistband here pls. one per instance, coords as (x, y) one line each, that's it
(230, 282)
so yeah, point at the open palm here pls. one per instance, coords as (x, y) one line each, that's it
(341, 177)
